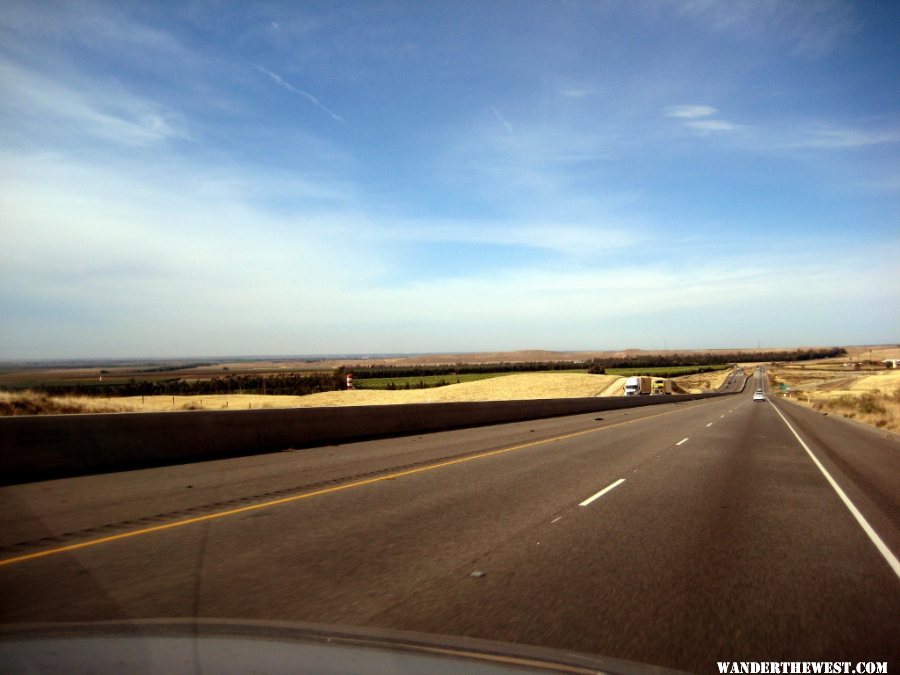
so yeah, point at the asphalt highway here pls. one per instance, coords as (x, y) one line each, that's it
(677, 535)
(734, 382)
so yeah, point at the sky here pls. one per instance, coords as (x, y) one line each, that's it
(226, 178)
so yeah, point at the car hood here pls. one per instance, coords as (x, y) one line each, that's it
(222, 646)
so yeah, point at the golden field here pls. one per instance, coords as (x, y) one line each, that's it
(519, 386)
(869, 397)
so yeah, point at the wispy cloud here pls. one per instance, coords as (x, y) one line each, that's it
(535, 164)
(502, 120)
(280, 81)
(578, 92)
(699, 119)
(837, 137)
(690, 111)
(97, 26)
(88, 107)
(572, 239)
(808, 29)
(545, 225)
(136, 234)
(546, 299)
(710, 126)
(703, 120)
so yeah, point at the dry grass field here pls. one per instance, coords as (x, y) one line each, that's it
(871, 398)
(875, 353)
(826, 379)
(519, 386)
(616, 388)
(16, 375)
(702, 382)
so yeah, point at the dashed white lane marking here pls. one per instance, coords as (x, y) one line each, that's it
(602, 492)
(863, 523)
(557, 519)
(683, 440)
(709, 425)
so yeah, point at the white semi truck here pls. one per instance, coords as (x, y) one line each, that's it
(639, 385)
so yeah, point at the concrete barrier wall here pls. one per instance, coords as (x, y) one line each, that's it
(35, 447)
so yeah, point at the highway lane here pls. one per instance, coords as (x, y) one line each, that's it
(727, 545)
(866, 460)
(66, 509)
(734, 382)
(71, 509)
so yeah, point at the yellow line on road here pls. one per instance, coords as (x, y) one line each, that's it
(316, 493)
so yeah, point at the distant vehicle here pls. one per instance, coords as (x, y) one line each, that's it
(662, 386)
(639, 385)
(759, 396)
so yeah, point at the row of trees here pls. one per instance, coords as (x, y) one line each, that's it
(293, 384)
(366, 372)
(673, 371)
(289, 384)
(599, 366)
(421, 384)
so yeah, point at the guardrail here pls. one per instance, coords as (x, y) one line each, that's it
(44, 446)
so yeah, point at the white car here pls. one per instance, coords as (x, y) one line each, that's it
(759, 396)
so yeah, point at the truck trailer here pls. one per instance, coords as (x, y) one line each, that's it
(639, 385)
(662, 385)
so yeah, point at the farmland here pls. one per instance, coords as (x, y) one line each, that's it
(667, 371)
(233, 384)
(102, 374)
(429, 381)
(516, 386)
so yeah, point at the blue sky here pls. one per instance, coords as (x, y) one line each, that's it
(222, 178)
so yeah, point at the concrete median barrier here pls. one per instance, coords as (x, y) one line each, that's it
(38, 447)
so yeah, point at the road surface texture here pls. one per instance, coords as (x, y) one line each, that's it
(676, 535)
(734, 382)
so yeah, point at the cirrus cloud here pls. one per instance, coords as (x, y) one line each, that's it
(690, 111)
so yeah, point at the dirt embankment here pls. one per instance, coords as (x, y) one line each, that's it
(702, 383)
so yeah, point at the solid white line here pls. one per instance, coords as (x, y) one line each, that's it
(863, 523)
(602, 492)
(683, 440)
